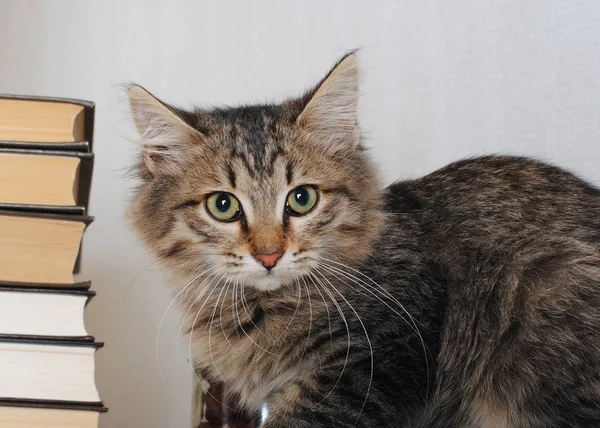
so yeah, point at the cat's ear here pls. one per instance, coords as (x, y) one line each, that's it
(164, 135)
(331, 113)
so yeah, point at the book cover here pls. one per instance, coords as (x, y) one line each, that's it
(84, 285)
(52, 341)
(53, 404)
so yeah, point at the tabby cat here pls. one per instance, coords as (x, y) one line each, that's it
(467, 298)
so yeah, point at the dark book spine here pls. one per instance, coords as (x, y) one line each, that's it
(52, 404)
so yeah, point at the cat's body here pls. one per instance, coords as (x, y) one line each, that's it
(468, 298)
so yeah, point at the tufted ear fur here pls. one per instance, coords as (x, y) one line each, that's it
(163, 133)
(331, 114)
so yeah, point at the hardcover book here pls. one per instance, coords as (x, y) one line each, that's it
(47, 366)
(48, 414)
(44, 312)
(42, 180)
(39, 248)
(46, 123)
(48, 369)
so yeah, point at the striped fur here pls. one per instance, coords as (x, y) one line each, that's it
(467, 298)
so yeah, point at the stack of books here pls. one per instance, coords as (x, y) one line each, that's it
(46, 355)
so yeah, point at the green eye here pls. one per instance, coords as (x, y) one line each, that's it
(223, 207)
(301, 200)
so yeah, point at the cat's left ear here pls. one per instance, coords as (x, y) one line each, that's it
(331, 114)
(165, 136)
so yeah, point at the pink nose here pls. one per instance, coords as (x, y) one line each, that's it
(268, 260)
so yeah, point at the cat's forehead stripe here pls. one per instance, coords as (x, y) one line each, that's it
(254, 135)
(289, 173)
(231, 176)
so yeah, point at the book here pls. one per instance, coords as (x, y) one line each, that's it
(39, 248)
(48, 369)
(44, 414)
(45, 180)
(47, 357)
(44, 312)
(46, 123)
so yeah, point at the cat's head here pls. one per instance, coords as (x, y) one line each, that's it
(261, 194)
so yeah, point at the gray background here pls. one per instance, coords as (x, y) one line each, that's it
(442, 80)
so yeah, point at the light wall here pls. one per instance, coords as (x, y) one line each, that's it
(442, 80)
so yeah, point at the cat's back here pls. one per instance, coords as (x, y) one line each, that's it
(518, 243)
(495, 199)
(499, 212)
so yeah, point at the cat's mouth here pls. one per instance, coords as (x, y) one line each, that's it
(287, 271)
(269, 281)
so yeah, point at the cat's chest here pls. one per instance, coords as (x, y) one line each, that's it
(252, 361)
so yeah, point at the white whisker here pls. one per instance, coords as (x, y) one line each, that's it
(368, 341)
(192, 334)
(345, 321)
(195, 320)
(228, 284)
(412, 323)
(328, 316)
(297, 306)
(309, 319)
(206, 287)
(247, 335)
(161, 324)
(135, 280)
(210, 323)
(246, 308)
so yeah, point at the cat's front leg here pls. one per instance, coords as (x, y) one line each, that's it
(304, 404)
(297, 406)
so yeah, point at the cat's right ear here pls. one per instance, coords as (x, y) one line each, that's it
(164, 135)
